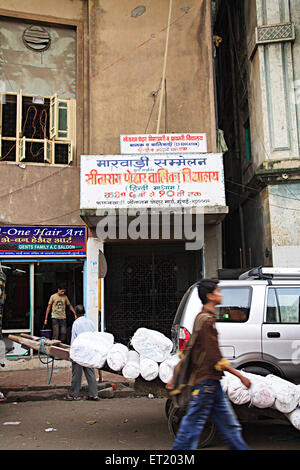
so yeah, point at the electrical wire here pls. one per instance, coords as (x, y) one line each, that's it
(154, 95)
(43, 125)
(258, 190)
(254, 200)
(131, 51)
(34, 182)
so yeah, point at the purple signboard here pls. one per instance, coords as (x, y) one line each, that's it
(35, 241)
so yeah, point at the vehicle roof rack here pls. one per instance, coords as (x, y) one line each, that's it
(271, 273)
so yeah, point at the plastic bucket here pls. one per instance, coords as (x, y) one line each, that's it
(46, 333)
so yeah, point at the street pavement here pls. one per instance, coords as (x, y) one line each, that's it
(43, 383)
(132, 420)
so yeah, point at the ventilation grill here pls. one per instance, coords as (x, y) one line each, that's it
(36, 38)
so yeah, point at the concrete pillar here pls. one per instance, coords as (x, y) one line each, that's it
(212, 250)
(92, 285)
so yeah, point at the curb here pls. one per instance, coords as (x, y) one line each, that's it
(56, 392)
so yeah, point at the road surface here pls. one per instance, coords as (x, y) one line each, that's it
(113, 424)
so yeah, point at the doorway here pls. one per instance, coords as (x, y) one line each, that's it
(16, 311)
(144, 285)
(47, 279)
(29, 286)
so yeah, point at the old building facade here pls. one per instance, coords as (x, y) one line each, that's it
(75, 76)
(258, 69)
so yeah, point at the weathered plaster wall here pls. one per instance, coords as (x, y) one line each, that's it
(272, 77)
(46, 73)
(68, 9)
(113, 96)
(285, 224)
(39, 195)
(122, 94)
(295, 17)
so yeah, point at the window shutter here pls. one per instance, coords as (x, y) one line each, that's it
(53, 117)
(19, 115)
(48, 146)
(63, 118)
(59, 118)
(70, 153)
(22, 148)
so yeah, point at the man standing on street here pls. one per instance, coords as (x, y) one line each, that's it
(58, 302)
(82, 325)
(208, 399)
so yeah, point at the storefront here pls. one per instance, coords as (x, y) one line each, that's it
(157, 218)
(36, 260)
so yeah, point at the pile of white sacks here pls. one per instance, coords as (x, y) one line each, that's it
(151, 358)
(265, 392)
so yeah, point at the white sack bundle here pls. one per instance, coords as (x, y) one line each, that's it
(261, 394)
(286, 393)
(237, 392)
(294, 418)
(152, 344)
(225, 381)
(131, 370)
(148, 368)
(166, 368)
(117, 356)
(90, 349)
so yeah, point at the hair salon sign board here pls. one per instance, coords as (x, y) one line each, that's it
(42, 241)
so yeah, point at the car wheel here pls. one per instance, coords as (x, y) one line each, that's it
(257, 370)
(207, 435)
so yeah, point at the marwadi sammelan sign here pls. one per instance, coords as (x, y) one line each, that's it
(152, 181)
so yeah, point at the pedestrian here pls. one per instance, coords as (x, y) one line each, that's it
(82, 325)
(57, 304)
(208, 399)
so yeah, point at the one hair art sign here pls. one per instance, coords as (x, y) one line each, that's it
(44, 241)
(152, 181)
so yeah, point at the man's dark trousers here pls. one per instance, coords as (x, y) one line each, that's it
(209, 401)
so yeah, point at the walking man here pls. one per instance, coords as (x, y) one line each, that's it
(58, 303)
(208, 399)
(82, 325)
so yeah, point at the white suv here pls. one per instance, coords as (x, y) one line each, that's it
(258, 321)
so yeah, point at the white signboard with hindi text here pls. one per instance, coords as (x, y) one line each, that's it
(163, 143)
(151, 181)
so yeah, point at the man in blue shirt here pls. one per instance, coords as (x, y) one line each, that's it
(82, 325)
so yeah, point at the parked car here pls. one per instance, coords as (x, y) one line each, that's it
(258, 321)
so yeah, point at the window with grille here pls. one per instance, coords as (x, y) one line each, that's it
(37, 129)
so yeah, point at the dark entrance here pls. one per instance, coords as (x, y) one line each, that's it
(144, 285)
